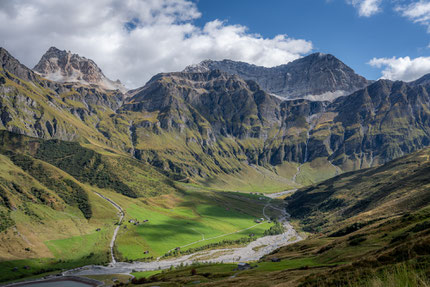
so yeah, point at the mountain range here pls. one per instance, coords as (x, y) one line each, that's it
(70, 138)
(315, 77)
(219, 122)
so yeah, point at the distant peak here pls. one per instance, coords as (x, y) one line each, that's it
(53, 49)
(63, 66)
(315, 75)
(317, 54)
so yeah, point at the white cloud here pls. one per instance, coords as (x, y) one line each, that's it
(402, 68)
(366, 8)
(160, 36)
(418, 12)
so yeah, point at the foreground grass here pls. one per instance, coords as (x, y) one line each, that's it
(35, 268)
(400, 275)
(145, 274)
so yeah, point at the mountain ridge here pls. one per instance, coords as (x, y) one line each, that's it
(9, 63)
(317, 76)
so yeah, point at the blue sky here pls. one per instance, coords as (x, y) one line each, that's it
(132, 40)
(334, 27)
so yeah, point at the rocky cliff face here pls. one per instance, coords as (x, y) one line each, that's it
(225, 103)
(315, 77)
(371, 126)
(63, 66)
(13, 66)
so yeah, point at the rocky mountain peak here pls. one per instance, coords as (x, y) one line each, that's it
(64, 66)
(12, 65)
(317, 76)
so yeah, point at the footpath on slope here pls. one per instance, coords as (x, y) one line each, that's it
(279, 194)
(115, 233)
(252, 252)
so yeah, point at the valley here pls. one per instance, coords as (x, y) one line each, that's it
(377, 245)
(182, 179)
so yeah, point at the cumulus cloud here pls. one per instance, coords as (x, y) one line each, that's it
(366, 8)
(134, 39)
(402, 68)
(418, 12)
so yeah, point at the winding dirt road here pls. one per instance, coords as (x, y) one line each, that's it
(115, 233)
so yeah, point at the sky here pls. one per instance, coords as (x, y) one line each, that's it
(132, 40)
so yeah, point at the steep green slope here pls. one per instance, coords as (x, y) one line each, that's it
(119, 173)
(397, 187)
(42, 204)
(49, 204)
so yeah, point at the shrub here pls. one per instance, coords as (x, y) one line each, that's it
(349, 229)
(357, 241)
(276, 229)
(420, 226)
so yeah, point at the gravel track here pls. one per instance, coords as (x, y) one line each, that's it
(115, 233)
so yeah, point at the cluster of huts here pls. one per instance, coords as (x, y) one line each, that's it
(26, 267)
(245, 266)
(137, 222)
(259, 220)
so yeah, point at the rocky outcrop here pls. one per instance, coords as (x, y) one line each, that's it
(315, 77)
(63, 66)
(225, 103)
(12, 65)
(369, 127)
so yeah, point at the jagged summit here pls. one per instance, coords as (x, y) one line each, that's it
(64, 66)
(12, 65)
(317, 76)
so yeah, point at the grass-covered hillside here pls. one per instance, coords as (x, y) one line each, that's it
(49, 205)
(395, 188)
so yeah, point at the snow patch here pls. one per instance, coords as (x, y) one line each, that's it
(328, 96)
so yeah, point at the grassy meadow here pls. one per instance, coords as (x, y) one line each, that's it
(184, 220)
